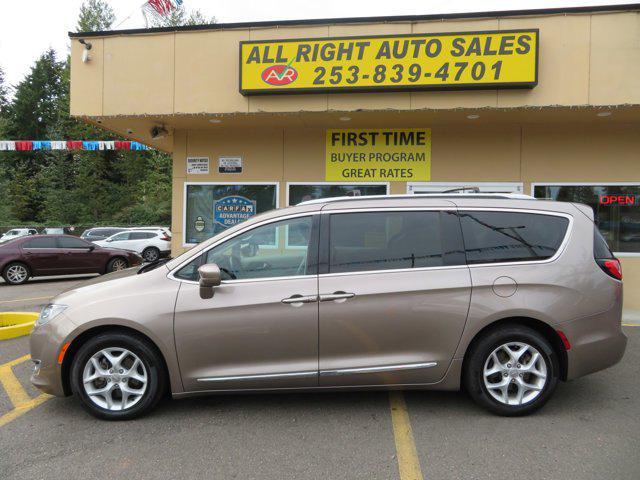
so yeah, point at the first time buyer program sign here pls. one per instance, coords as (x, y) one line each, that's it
(388, 155)
(489, 59)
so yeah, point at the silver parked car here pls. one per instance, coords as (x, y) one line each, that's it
(501, 294)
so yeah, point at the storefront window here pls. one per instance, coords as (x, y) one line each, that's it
(302, 193)
(616, 209)
(211, 209)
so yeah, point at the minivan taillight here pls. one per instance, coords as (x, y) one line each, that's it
(612, 267)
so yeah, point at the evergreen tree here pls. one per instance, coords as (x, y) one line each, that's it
(95, 16)
(4, 94)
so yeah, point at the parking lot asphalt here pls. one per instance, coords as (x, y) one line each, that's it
(589, 430)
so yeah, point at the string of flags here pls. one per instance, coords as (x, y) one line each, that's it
(29, 145)
(159, 8)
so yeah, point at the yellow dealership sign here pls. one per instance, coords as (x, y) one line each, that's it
(491, 59)
(378, 155)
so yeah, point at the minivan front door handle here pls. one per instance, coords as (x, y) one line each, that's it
(298, 300)
(337, 297)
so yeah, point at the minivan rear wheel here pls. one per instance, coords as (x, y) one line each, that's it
(511, 370)
(117, 376)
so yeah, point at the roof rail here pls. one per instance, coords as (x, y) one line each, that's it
(510, 196)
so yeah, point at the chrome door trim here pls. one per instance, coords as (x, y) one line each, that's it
(385, 368)
(309, 373)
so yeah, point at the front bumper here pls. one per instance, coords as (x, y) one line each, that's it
(597, 342)
(46, 342)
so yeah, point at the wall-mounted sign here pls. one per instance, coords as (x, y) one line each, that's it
(230, 211)
(490, 59)
(230, 165)
(620, 200)
(198, 165)
(378, 155)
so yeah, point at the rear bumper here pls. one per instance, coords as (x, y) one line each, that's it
(597, 342)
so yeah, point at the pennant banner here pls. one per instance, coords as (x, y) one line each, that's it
(29, 145)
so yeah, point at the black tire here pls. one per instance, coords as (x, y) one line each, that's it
(112, 266)
(11, 279)
(479, 354)
(151, 254)
(150, 358)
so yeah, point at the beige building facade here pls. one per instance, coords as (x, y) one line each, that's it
(574, 135)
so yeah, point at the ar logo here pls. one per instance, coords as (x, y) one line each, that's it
(279, 75)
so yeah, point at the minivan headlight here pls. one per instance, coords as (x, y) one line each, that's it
(50, 312)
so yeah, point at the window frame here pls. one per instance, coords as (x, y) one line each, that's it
(238, 183)
(323, 241)
(336, 184)
(589, 184)
(437, 187)
(313, 249)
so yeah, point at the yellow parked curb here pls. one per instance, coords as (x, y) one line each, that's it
(16, 324)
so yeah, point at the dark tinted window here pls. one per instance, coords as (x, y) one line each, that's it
(385, 240)
(69, 242)
(600, 248)
(42, 242)
(141, 235)
(508, 236)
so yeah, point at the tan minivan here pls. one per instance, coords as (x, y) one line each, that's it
(501, 294)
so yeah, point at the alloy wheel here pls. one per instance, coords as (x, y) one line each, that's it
(17, 273)
(515, 373)
(115, 379)
(118, 264)
(151, 255)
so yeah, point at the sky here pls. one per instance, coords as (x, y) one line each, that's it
(29, 27)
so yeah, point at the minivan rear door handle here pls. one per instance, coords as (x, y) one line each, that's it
(337, 297)
(298, 300)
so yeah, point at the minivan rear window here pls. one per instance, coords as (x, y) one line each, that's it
(494, 237)
(601, 249)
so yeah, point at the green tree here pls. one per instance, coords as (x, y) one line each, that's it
(95, 16)
(4, 94)
(35, 106)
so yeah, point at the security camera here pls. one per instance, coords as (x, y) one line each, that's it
(158, 132)
(85, 53)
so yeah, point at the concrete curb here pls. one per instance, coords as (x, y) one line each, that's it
(16, 324)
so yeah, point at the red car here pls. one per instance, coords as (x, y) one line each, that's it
(42, 255)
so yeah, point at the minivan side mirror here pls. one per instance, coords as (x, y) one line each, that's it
(210, 277)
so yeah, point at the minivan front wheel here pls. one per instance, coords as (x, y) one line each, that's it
(511, 371)
(117, 376)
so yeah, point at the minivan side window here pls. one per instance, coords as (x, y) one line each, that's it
(393, 240)
(494, 237)
(253, 255)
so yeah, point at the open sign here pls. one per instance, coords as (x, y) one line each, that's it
(619, 200)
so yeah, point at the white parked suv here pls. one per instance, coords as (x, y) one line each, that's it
(17, 233)
(151, 244)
